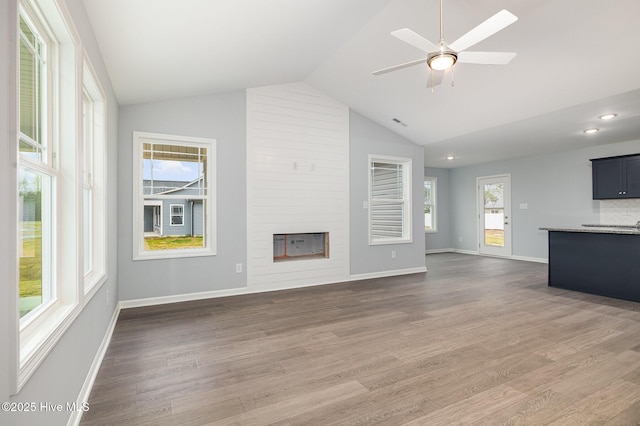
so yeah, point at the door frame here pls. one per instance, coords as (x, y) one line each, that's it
(506, 250)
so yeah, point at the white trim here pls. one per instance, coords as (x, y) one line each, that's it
(475, 253)
(210, 237)
(530, 259)
(391, 273)
(434, 251)
(461, 251)
(89, 84)
(85, 391)
(47, 337)
(187, 297)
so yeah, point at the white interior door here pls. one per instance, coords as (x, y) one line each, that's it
(494, 215)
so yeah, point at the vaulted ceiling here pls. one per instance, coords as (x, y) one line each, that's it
(577, 59)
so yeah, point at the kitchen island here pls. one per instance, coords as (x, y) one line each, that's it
(602, 260)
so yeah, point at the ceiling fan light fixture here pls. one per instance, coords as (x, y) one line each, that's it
(441, 61)
(591, 131)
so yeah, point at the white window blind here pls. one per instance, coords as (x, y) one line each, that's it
(389, 201)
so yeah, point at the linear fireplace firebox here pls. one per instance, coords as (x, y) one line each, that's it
(310, 245)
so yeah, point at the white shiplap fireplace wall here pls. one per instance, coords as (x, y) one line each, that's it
(297, 182)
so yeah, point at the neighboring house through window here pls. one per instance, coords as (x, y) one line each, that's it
(174, 210)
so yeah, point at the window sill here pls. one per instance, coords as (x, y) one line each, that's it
(387, 242)
(93, 282)
(173, 254)
(40, 336)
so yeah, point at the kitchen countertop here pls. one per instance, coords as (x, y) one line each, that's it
(597, 229)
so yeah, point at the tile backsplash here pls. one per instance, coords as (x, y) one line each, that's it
(619, 212)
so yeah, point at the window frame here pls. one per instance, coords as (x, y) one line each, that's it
(94, 155)
(209, 200)
(433, 204)
(406, 201)
(44, 167)
(36, 335)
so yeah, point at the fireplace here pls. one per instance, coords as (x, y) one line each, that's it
(300, 246)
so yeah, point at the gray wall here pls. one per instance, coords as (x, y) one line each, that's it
(440, 240)
(221, 117)
(367, 137)
(60, 376)
(556, 187)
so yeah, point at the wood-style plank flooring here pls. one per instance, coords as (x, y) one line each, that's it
(476, 340)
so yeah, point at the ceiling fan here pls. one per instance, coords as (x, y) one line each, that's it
(443, 56)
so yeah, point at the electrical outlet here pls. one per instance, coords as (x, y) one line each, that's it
(238, 267)
(393, 254)
(107, 297)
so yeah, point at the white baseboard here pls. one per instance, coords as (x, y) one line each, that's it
(384, 274)
(188, 297)
(476, 253)
(434, 251)
(83, 397)
(530, 259)
(162, 300)
(461, 251)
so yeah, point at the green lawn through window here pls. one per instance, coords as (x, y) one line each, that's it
(172, 242)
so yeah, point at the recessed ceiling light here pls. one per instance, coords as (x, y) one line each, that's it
(450, 157)
(608, 116)
(591, 131)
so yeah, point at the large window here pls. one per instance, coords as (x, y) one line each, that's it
(93, 179)
(430, 211)
(49, 223)
(61, 176)
(175, 196)
(389, 200)
(37, 174)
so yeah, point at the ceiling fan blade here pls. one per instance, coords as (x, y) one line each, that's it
(500, 20)
(400, 66)
(486, 58)
(434, 79)
(416, 40)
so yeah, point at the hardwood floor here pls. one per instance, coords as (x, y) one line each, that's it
(476, 340)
